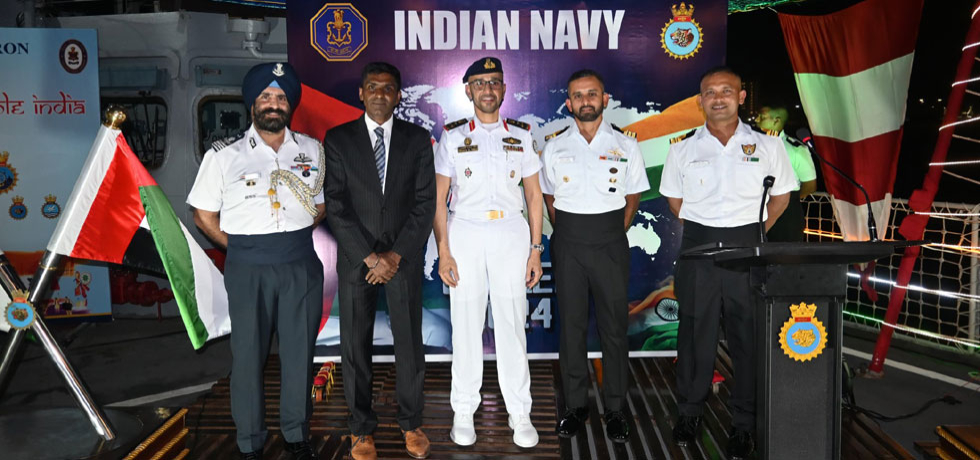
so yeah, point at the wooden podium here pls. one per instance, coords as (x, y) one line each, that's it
(799, 327)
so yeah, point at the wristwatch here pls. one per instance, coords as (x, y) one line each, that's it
(539, 247)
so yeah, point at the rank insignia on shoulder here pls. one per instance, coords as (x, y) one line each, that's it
(512, 140)
(555, 134)
(682, 136)
(626, 132)
(519, 124)
(455, 124)
(222, 143)
(468, 148)
(767, 132)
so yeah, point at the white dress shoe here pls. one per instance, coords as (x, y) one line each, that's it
(463, 432)
(525, 435)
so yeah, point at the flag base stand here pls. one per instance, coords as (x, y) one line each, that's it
(61, 433)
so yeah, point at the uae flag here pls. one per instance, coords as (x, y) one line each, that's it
(852, 69)
(116, 209)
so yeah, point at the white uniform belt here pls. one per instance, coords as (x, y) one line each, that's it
(484, 215)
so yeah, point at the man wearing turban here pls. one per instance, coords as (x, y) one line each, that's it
(260, 195)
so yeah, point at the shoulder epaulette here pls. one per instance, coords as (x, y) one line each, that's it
(455, 124)
(222, 143)
(767, 132)
(683, 136)
(626, 132)
(555, 134)
(303, 135)
(519, 124)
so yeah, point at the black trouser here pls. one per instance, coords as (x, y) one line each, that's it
(358, 307)
(590, 253)
(705, 293)
(789, 227)
(274, 283)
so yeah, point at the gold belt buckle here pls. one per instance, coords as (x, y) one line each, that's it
(494, 215)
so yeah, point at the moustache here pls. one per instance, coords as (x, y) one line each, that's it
(280, 112)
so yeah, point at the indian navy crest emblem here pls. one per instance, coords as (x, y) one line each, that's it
(803, 336)
(8, 175)
(51, 209)
(19, 313)
(343, 37)
(17, 210)
(681, 36)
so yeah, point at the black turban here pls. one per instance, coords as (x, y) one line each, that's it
(262, 76)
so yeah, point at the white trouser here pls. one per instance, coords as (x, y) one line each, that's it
(491, 256)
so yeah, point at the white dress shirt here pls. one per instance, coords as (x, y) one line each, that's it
(234, 179)
(721, 185)
(371, 125)
(592, 177)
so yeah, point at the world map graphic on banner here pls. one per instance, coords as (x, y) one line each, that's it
(651, 78)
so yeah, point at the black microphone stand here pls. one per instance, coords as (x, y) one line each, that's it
(766, 185)
(804, 135)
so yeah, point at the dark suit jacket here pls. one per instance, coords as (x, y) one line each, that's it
(361, 218)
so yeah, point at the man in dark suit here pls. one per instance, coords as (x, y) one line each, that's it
(380, 193)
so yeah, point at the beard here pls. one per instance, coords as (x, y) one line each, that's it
(588, 116)
(265, 123)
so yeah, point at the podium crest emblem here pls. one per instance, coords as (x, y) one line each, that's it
(803, 336)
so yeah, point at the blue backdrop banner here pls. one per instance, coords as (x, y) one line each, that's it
(651, 54)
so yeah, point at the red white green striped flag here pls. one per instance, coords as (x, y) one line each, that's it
(115, 200)
(852, 69)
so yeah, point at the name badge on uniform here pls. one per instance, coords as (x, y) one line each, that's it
(566, 159)
(514, 148)
(468, 148)
(250, 178)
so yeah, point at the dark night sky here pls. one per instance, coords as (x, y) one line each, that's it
(756, 49)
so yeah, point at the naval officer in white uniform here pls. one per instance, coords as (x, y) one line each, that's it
(486, 247)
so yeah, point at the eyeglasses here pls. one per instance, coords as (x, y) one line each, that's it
(480, 84)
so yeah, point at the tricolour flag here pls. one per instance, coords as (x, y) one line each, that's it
(852, 69)
(114, 205)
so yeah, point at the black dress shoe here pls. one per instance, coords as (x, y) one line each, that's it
(572, 421)
(617, 427)
(687, 430)
(740, 444)
(257, 455)
(300, 450)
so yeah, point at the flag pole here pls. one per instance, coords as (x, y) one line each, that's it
(46, 271)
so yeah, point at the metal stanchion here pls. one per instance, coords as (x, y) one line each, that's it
(49, 269)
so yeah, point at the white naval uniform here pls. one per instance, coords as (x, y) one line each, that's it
(592, 177)
(234, 179)
(721, 185)
(490, 240)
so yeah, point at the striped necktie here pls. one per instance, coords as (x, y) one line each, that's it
(379, 154)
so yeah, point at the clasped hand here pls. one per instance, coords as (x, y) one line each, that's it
(381, 267)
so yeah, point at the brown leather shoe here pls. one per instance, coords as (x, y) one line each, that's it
(362, 448)
(416, 443)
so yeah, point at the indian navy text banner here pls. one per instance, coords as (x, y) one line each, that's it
(650, 54)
